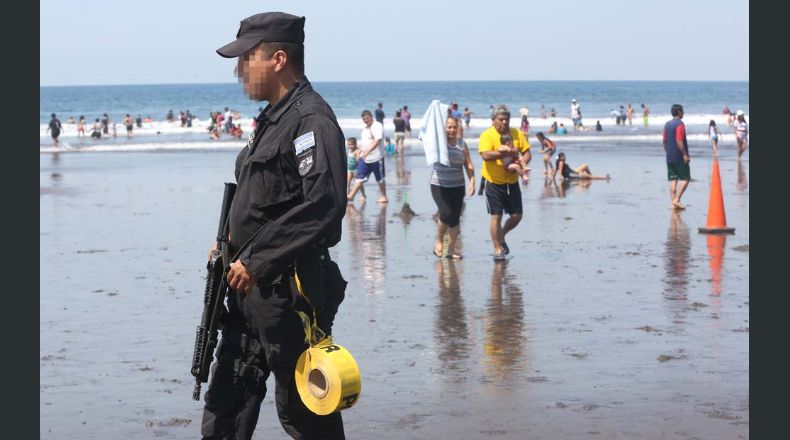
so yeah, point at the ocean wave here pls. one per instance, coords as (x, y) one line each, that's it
(650, 139)
(65, 147)
(201, 125)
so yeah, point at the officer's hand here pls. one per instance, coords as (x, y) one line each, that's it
(213, 248)
(239, 279)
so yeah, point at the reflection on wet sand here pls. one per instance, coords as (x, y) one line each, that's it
(368, 243)
(716, 244)
(451, 331)
(742, 183)
(552, 188)
(676, 260)
(402, 173)
(504, 338)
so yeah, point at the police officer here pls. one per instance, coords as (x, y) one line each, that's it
(287, 210)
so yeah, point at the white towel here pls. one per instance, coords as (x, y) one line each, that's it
(434, 139)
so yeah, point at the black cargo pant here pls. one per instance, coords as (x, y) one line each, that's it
(262, 335)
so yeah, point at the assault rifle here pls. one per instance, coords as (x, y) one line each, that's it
(214, 298)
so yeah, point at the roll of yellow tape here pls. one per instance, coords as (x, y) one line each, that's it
(327, 378)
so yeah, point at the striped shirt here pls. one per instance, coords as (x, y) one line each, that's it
(453, 175)
(741, 129)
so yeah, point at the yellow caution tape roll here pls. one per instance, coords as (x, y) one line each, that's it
(327, 378)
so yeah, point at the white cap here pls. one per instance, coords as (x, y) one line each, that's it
(739, 113)
(573, 100)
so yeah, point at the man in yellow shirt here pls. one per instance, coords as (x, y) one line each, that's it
(503, 194)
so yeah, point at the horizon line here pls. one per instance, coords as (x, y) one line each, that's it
(411, 81)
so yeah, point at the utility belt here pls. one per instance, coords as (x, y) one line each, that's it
(317, 286)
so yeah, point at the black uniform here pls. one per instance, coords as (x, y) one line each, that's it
(289, 204)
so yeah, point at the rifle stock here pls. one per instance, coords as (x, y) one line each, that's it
(213, 298)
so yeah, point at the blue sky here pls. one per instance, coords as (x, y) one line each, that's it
(146, 42)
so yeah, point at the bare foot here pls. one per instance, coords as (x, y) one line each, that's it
(362, 199)
(677, 205)
(382, 200)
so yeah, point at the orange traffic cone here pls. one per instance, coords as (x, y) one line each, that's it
(717, 221)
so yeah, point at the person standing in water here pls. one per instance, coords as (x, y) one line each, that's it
(676, 148)
(547, 147)
(54, 128)
(714, 135)
(447, 189)
(741, 132)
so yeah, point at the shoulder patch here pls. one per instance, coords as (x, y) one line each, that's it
(304, 142)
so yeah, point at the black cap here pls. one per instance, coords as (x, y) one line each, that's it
(267, 26)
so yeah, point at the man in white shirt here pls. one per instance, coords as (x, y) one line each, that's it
(576, 116)
(228, 120)
(370, 159)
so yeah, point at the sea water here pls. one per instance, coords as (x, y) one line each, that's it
(702, 101)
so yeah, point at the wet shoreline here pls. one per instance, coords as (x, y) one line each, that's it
(612, 318)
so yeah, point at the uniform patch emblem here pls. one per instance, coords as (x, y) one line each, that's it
(305, 164)
(251, 139)
(304, 142)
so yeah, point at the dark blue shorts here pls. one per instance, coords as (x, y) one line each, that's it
(364, 169)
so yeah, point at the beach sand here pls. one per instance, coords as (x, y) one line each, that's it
(610, 319)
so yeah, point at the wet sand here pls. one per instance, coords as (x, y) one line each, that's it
(612, 318)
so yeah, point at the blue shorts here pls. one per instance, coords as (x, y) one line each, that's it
(578, 122)
(364, 169)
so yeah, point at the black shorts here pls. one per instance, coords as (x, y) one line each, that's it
(55, 134)
(450, 201)
(505, 198)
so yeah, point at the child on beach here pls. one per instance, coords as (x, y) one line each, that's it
(235, 131)
(645, 113)
(510, 161)
(524, 125)
(97, 128)
(389, 148)
(351, 164)
(713, 135)
(547, 147)
(741, 132)
(81, 126)
(213, 132)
